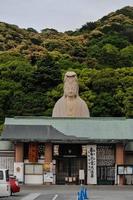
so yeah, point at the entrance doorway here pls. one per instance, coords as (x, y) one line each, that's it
(105, 175)
(67, 170)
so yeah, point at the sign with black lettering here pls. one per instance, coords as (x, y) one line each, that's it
(91, 165)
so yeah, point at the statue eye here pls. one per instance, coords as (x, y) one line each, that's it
(68, 76)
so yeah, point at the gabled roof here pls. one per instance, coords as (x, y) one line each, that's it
(74, 129)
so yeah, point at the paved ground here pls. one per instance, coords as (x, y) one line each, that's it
(70, 193)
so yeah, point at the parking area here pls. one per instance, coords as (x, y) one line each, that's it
(69, 192)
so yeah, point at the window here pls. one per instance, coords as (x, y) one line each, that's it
(33, 169)
(7, 175)
(1, 175)
(41, 149)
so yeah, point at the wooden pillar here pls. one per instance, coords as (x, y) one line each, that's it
(48, 152)
(47, 159)
(19, 152)
(120, 160)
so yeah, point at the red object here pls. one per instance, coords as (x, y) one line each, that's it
(14, 185)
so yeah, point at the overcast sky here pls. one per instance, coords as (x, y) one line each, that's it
(62, 15)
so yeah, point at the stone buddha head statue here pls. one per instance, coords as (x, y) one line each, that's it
(70, 104)
(71, 88)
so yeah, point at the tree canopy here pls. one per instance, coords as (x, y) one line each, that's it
(32, 66)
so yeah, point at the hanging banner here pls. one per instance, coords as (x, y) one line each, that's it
(91, 164)
(33, 152)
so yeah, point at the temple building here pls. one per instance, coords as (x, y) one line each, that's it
(71, 147)
(67, 150)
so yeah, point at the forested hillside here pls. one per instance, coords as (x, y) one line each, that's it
(32, 66)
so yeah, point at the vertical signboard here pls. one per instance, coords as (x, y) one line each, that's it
(19, 171)
(81, 176)
(91, 164)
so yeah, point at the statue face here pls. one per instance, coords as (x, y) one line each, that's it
(70, 85)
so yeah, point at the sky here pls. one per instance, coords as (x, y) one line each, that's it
(62, 15)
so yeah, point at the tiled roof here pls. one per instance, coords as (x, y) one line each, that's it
(69, 128)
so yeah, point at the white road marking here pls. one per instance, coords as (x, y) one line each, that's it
(55, 197)
(31, 196)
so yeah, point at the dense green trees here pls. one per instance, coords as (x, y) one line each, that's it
(48, 74)
(108, 92)
(32, 66)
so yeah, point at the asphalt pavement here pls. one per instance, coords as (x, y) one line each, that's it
(69, 192)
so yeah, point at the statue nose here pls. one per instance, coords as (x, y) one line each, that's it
(71, 90)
